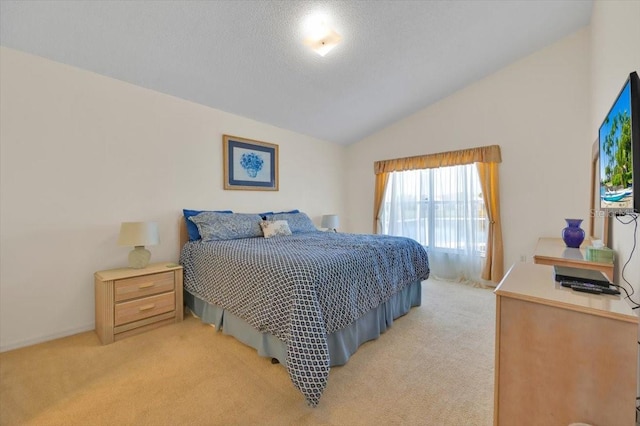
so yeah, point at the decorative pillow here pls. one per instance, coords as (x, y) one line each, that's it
(273, 228)
(298, 222)
(192, 229)
(224, 226)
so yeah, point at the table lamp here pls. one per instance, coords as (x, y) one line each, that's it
(138, 235)
(330, 221)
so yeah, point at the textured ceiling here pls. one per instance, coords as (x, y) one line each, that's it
(248, 58)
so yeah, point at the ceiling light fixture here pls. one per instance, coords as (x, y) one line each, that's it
(320, 37)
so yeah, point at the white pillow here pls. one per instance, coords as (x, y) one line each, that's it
(272, 228)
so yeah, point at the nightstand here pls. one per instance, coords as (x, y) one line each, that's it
(131, 301)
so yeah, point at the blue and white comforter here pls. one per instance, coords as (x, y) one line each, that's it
(303, 286)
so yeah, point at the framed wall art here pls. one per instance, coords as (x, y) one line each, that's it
(249, 164)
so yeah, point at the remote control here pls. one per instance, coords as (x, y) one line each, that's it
(586, 289)
(605, 290)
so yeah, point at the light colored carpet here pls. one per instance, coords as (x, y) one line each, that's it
(433, 367)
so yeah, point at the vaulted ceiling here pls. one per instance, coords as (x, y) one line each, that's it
(248, 57)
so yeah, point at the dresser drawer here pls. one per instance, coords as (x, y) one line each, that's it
(145, 285)
(146, 307)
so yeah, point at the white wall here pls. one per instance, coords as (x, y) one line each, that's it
(536, 110)
(81, 153)
(615, 52)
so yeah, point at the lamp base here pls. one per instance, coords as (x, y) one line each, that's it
(139, 257)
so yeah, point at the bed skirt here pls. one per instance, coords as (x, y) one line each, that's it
(342, 343)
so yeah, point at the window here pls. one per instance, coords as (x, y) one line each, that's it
(442, 208)
(440, 200)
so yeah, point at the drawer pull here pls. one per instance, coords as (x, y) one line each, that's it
(140, 287)
(147, 307)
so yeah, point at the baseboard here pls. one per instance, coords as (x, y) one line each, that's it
(42, 339)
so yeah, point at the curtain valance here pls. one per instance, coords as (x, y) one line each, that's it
(483, 154)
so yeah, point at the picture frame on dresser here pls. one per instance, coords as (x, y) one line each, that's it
(249, 164)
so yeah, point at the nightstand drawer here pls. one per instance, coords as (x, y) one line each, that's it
(145, 285)
(144, 308)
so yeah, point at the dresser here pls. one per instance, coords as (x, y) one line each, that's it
(130, 301)
(562, 356)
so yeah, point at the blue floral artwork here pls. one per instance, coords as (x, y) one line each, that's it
(251, 163)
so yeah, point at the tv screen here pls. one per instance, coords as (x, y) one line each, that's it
(619, 150)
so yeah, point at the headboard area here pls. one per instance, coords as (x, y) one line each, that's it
(184, 235)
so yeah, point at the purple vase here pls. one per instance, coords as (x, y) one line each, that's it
(573, 235)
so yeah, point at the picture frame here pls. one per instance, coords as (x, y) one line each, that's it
(249, 164)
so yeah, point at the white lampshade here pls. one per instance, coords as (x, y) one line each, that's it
(138, 235)
(330, 221)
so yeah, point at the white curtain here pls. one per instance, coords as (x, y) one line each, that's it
(442, 209)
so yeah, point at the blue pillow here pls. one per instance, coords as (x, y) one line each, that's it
(214, 226)
(298, 222)
(266, 215)
(192, 229)
(272, 213)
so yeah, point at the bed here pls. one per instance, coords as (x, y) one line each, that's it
(304, 297)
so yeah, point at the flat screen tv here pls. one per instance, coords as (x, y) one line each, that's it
(619, 150)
